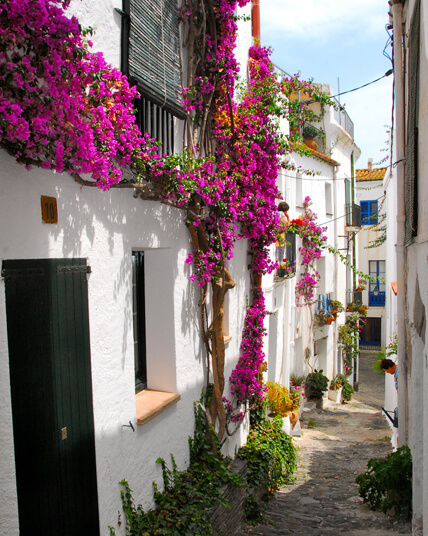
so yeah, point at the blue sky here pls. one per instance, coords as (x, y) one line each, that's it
(330, 39)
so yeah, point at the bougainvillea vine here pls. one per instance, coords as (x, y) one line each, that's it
(64, 108)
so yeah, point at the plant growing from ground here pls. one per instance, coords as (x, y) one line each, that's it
(66, 109)
(347, 391)
(271, 456)
(387, 483)
(316, 384)
(181, 508)
(349, 339)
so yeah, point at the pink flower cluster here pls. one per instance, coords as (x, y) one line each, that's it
(244, 378)
(313, 241)
(205, 265)
(60, 105)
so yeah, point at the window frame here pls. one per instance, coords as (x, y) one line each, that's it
(368, 215)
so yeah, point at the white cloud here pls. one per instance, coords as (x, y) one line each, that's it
(322, 19)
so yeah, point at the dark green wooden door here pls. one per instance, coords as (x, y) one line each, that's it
(50, 376)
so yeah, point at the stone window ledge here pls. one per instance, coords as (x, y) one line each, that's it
(151, 403)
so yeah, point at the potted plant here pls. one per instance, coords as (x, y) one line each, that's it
(362, 284)
(297, 384)
(315, 386)
(335, 388)
(319, 318)
(362, 310)
(329, 319)
(309, 133)
(335, 307)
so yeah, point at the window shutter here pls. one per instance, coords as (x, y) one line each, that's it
(373, 212)
(411, 175)
(154, 53)
(348, 201)
(364, 211)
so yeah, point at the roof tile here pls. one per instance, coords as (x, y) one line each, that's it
(373, 174)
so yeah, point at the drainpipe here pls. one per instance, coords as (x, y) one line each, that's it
(354, 248)
(255, 19)
(397, 11)
(336, 365)
(356, 374)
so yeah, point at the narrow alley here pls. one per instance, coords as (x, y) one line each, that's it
(335, 446)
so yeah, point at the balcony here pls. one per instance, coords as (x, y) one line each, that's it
(344, 120)
(354, 296)
(377, 299)
(353, 217)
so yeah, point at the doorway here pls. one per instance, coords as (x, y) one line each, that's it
(371, 334)
(51, 389)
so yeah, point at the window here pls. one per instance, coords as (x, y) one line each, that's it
(299, 190)
(369, 212)
(151, 59)
(377, 288)
(328, 199)
(154, 335)
(139, 320)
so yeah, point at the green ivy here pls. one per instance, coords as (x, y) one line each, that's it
(347, 391)
(182, 508)
(387, 483)
(270, 455)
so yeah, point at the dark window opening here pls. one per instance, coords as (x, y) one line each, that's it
(139, 320)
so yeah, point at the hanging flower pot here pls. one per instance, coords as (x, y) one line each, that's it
(328, 320)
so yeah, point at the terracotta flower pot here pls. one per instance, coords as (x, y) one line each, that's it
(329, 320)
(311, 143)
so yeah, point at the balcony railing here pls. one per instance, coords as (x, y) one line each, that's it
(353, 216)
(354, 296)
(377, 301)
(344, 120)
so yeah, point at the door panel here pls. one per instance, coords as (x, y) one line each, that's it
(50, 374)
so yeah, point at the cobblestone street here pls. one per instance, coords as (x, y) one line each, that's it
(335, 446)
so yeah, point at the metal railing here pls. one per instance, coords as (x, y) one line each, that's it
(354, 296)
(353, 215)
(377, 301)
(344, 120)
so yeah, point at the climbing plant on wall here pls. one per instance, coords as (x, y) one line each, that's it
(64, 108)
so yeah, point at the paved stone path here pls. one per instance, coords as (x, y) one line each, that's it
(335, 446)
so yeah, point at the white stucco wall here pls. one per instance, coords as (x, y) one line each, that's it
(105, 227)
(415, 399)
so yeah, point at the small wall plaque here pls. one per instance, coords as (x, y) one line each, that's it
(49, 209)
